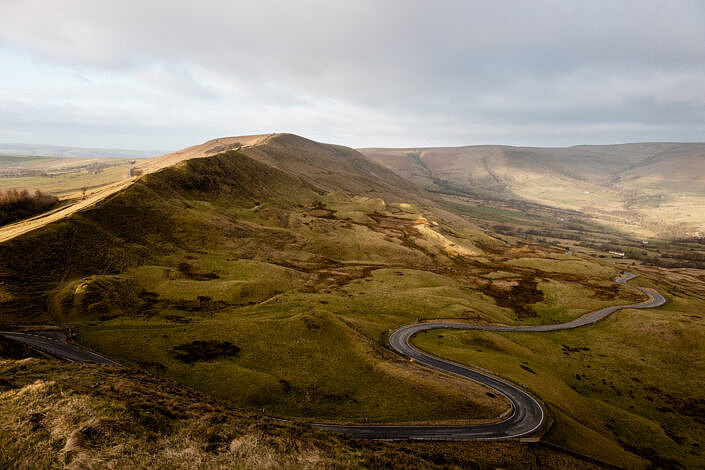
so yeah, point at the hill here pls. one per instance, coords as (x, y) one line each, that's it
(228, 241)
(652, 188)
(58, 415)
(267, 271)
(330, 167)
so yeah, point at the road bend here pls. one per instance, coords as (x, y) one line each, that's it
(527, 414)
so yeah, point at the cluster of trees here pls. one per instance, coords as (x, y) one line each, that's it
(16, 205)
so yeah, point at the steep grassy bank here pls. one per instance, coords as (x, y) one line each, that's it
(59, 415)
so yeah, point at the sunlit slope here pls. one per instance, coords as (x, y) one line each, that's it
(249, 197)
(596, 164)
(638, 182)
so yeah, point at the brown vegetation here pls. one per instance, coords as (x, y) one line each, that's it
(16, 205)
(55, 414)
(205, 350)
(519, 297)
(191, 273)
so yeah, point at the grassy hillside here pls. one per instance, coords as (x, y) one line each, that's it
(651, 188)
(268, 271)
(230, 248)
(59, 415)
(632, 381)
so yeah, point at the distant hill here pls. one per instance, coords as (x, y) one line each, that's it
(35, 150)
(655, 181)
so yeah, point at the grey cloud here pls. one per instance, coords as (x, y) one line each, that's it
(395, 72)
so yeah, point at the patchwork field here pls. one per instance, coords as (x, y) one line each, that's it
(63, 177)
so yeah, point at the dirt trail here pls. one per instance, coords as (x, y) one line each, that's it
(13, 230)
(207, 149)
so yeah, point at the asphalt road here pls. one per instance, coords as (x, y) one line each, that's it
(527, 413)
(56, 345)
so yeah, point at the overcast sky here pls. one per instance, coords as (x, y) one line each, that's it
(169, 74)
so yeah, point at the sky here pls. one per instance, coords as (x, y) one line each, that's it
(155, 74)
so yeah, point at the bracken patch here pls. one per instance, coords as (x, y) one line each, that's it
(205, 350)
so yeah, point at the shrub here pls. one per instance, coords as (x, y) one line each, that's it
(204, 350)
(16, 205)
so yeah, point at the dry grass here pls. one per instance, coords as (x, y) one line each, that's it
(60, 415)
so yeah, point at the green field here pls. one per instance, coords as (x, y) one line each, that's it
(68, 183)
(630, 381)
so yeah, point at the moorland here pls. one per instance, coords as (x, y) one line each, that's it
(261, 276)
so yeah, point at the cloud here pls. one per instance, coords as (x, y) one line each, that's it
(356, 72)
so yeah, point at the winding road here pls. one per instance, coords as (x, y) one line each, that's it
(527, 415)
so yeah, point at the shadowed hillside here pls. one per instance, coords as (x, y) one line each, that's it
(329, 167)
(138, 224)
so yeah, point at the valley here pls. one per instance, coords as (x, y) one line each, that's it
(267, 272)
(647, 190)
